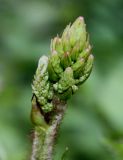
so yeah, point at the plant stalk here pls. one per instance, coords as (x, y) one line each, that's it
(44, 138)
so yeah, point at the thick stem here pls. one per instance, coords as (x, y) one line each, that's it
(44, 139)
(37, 143)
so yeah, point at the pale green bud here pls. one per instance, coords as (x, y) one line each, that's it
(74, 88)
(74, 35)
(78, 32)
(89, 64)
(42, 65)
(54, 67)
(66, 81)
(41, 85)
(81, 79)
(56, 45)
(78, 68)
(56, 63)
(86, 70)
(75, 51)
(52, 75)
(66, 39)
(85, 53)
(87, 42)
(66, 60)
(39, 79)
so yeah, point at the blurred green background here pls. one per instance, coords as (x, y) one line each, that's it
(93, 125)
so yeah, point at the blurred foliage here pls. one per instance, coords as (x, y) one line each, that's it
(92, 128)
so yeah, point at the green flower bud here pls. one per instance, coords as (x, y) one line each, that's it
(54, 67)
(75, 52)
(64, 95)
(56, 45)
(66, 60)
(78, 32)
(41, 86)
(66, 39)
(85, 53)
(89, 64)
(40, 79)
(66, 81)
(52, 75)
(74, 88)
(87, 42)
(74, 36)
(78, 68)
(86, 71)
(81, 79)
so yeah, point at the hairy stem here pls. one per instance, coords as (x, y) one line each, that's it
(44, 139)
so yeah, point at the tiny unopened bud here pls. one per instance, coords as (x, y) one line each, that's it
(56, 45)
(54, 67)
(85, 53)
(42, 66)
(74, 88)
(76, 51)
(89, 64)
(78, 32)
(66, 60)
(78, 67)
(66, 80)
(66, 39)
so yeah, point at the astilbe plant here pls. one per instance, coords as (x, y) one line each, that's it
(58, 77)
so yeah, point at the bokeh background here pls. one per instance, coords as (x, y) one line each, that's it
(92, 128)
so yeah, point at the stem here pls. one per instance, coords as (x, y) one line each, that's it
(44, 139)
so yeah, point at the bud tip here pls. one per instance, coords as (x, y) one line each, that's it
(54, 52)
(81, 18)
(91, 56)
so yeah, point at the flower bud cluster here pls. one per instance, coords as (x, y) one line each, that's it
(68, 66)
(41, 87)
(71, 61)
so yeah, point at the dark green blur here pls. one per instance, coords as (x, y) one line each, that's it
(93, 125)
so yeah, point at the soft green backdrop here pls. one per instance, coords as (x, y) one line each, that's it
(93, 124)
